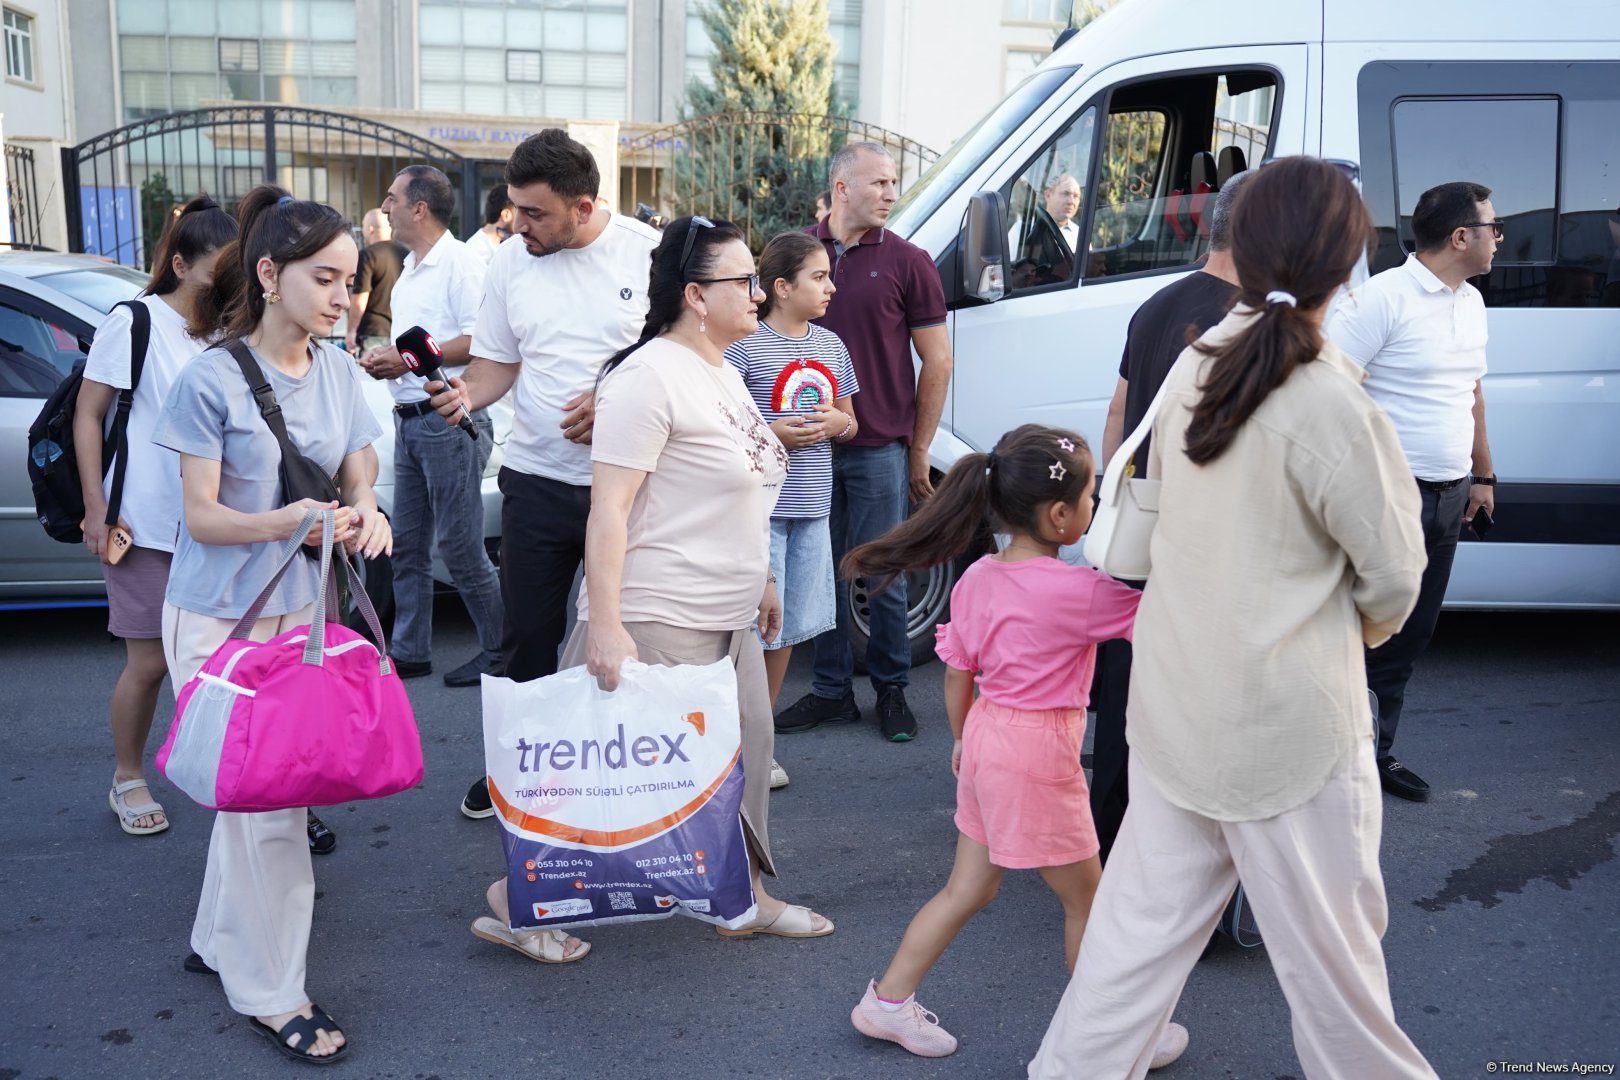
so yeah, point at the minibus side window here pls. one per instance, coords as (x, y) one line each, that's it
(1167, 147)
(1044, 205)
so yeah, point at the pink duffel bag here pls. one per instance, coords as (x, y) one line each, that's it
(313, 717)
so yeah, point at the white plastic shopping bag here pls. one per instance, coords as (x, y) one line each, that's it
(622, 805)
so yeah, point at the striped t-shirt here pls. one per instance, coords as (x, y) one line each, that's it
(793, 372)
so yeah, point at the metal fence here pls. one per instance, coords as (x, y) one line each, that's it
(119, 186)
(762, 170)
(22, 197)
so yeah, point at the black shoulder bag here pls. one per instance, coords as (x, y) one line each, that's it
(301, 478)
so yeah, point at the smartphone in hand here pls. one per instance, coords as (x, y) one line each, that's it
(1481, 522)
(119, 541)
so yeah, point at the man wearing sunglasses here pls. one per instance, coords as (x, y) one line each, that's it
(1420, 330)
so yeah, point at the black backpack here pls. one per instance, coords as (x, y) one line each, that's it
(53, 462)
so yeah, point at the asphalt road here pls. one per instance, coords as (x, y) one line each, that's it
(1503, 945)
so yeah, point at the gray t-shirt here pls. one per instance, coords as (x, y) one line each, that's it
(211, 413)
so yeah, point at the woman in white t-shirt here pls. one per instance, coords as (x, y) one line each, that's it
(149, 511)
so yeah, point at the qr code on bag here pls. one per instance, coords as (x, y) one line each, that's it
(622, 901)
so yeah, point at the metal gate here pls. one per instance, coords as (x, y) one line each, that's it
(761, 170)
(22, 197)
(120, 186)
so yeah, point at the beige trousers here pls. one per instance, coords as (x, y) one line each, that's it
(1312, 874)
(657, 643)
(258, 893)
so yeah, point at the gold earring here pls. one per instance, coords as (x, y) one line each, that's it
(271, 296)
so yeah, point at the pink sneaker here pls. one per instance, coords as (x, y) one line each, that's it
(911, 1025)
(1172, 1044)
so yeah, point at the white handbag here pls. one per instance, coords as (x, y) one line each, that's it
(1127, 510)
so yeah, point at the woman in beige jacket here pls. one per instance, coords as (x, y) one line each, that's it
(1287, 541)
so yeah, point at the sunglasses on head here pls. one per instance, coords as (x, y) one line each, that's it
(693, 224)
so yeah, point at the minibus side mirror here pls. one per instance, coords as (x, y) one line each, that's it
(982, 248)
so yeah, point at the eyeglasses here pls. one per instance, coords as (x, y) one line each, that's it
(752, 279)
(691, 238)
(1494, 226)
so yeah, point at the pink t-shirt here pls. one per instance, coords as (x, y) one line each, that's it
(1030, 629)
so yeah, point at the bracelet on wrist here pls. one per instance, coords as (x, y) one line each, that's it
(848, 427)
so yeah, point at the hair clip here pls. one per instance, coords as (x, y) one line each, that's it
(284, 200)
(1057, 471)
(1066, 446)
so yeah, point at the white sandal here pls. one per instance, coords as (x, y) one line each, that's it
(128, 814)
(546, 946)
(795, 921)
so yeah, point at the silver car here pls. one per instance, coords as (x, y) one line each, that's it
(50, 307)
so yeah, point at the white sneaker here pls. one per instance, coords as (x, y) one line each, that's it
(779, 777)
(1172, 1044)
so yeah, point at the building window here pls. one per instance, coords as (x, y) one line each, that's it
(522, 66)
(238, 55)
(19, 45)
(1037, 11)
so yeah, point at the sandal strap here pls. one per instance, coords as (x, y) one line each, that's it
(121, 787)
(132, 811)
(306, 1030)
(323, 1020)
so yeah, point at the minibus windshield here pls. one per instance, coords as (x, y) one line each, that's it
(925, 195)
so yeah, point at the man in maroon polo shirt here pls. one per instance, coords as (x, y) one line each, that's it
(889, 299)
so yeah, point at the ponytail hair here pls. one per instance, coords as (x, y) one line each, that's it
(782, 259)
(1010, 486)
(271, 223)
(667, 281)
(1298, 229)
(192, 231)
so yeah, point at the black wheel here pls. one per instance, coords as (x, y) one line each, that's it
(377, 577)
(928, 603)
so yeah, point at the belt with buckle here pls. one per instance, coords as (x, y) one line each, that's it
(1439, 485)
(422, 408)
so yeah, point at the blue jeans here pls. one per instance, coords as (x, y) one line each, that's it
(438, 472)
(870, 496)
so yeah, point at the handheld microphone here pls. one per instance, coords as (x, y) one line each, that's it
(423, 357)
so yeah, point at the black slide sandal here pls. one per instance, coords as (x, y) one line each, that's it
(308, 1032)
(197, 966)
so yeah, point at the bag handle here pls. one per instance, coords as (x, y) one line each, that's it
(1113, 477)
(284, 557)
(140, 338)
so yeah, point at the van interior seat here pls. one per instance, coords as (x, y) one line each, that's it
(1231, 162)
(1202, 177)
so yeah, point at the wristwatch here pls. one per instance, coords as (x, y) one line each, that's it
(1485, 481)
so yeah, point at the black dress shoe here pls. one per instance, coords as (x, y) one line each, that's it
(413, 669)
(1400, 781)
(470, 673)
(813, 711)
(476, 803)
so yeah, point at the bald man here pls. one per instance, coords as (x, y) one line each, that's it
(381, 263)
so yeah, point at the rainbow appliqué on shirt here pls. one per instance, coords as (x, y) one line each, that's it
(803, 384)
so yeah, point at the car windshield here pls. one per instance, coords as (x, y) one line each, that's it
(100, 286)
(968, 153)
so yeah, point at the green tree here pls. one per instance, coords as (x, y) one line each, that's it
(759, 138)
(157, 202)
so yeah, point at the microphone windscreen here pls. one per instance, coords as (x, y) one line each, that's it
(418, 350)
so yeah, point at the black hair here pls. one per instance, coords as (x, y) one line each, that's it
(1443, 209)
(192, 231)
(271, 224)
(666, 284)
(783, 257)
(563, 164)
(494, 203)
(429, 185)
(1031, 467)
(1298, 228)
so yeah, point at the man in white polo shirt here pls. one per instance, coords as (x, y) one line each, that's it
(437, 469)
(1420, 330)
(556, 306)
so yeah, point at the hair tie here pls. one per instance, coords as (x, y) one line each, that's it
(1278, 296)
(989, 462)
(284, 200)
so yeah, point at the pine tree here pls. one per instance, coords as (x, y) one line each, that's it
(759, 138)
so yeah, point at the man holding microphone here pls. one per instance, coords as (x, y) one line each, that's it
(437, 469)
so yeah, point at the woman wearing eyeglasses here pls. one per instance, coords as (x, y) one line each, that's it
(685, 472)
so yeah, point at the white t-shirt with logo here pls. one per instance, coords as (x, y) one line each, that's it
(440, 294)
(561, 316)
(151, 503)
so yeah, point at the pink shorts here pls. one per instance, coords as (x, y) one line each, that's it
(1021, 792)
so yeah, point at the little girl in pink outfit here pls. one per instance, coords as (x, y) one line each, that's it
(1024, 627)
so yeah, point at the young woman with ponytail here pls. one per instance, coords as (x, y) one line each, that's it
(149, 508)
(1287, 539)
(279, 290)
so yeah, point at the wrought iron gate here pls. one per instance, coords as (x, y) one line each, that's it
(762, 170)
(22, 197)
(118, 186)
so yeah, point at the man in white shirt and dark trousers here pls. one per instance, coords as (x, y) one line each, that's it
(555, 307)
(438, 471)
(1420, 331)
